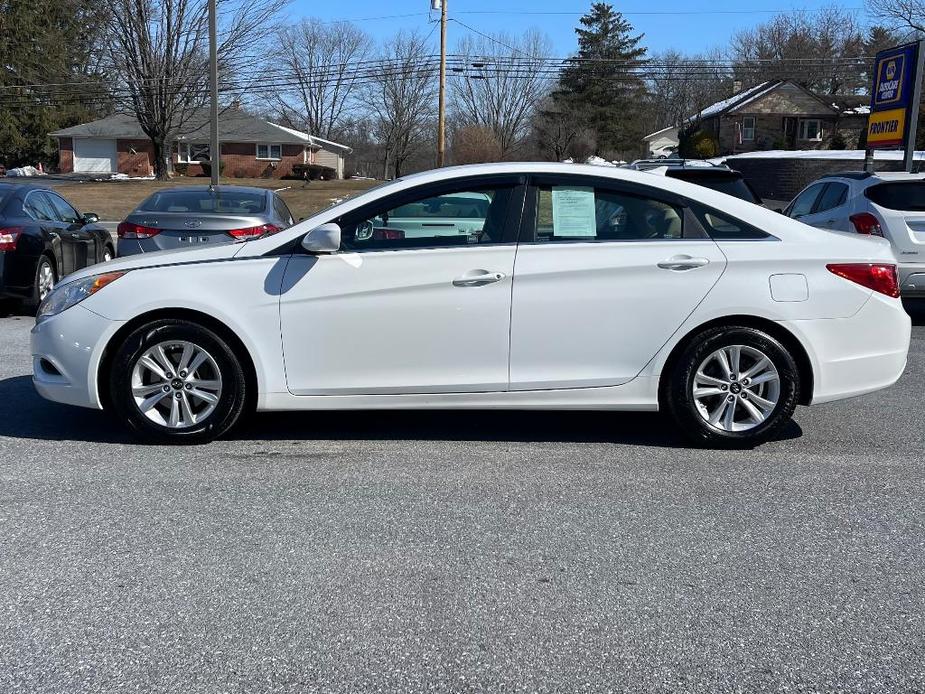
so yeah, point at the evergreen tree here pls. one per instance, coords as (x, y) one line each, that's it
(603, 83)
(48, 78)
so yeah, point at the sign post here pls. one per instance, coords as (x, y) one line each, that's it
(912, 127)
(894, 101)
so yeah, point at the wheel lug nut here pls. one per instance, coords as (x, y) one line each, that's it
(732, 377)
(177, 396)
(744, 395)
(724, 387)
(731, 398)
(189, 386)
(183, 374)
(166, 389)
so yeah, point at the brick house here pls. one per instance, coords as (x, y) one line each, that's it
(779, 114)
(251, 147)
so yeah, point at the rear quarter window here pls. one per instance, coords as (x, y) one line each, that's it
(904, 195)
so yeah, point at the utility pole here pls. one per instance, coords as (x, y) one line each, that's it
(441, 99)
(214, 151)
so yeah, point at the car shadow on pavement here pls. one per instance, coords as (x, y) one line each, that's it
(916, 309)
(24, 414)
(630, 428)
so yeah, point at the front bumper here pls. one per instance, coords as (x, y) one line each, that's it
(857, 355)
(66, 353)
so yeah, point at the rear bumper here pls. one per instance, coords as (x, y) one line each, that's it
(856, 355)
(66, 353)
(17, 273)
(912, 279)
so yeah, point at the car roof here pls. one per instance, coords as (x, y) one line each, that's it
(873, 176)
(218, 189)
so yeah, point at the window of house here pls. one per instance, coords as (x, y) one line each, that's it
(748, 128)
(193, 153)
(811, 129)
(580, 213)
(272, 152)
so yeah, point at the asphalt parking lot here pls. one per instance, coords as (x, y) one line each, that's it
(461, 551)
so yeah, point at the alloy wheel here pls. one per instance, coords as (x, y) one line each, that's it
(46, 279)
(176, 384)
(736, 388)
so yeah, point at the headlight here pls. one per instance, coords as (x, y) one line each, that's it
(64, 296)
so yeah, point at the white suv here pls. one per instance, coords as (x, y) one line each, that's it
(891, 205)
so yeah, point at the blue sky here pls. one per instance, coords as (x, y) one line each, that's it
(687, 25)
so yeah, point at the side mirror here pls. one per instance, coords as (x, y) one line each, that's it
(323, 239)
(90, 218)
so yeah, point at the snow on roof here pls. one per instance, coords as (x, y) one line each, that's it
(651, 136)
(734, 100)
(842, 154)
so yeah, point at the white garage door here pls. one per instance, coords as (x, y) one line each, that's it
(94, 156)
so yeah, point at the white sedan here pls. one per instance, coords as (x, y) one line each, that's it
(586, 289)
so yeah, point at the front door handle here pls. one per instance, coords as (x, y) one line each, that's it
(478, 278)
(680, 263)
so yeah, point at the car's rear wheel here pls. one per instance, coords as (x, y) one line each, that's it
(174, 381)
(732, 387)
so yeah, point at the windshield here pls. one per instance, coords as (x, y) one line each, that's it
(730, 184)
(907, 195)
(206, 202)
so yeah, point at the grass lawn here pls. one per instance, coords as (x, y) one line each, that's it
(113, 200)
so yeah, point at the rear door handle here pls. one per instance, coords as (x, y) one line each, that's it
(683, 262)
(477, 278)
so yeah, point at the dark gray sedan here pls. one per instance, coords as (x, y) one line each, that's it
(197, 215)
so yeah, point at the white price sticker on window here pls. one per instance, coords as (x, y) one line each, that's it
(573, 211)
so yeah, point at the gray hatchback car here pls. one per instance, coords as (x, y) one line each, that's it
(189, 216)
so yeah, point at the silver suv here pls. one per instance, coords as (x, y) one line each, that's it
(891, 205)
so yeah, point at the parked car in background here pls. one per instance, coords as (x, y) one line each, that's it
(588, 288)
(193, 216)
(887, 204)
(43, 238)
(717, 177)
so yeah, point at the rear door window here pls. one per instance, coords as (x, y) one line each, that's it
(38, 206)
(901, 195)
(582, 213)
(804, 202)
(833, 196)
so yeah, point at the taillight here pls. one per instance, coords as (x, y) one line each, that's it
(130, 231)
(879, 277)
(388, 234)
(9, 236)
(866, 223)
(254, 231)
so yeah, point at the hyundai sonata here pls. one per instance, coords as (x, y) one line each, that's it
(580, 288)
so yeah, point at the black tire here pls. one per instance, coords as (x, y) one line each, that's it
(110, 250)
(38, 290)
(677, 396)
(231, 400)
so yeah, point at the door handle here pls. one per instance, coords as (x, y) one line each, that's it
(683, 262)
(477, 278)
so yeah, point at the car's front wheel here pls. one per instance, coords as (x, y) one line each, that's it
(732, 386)
(175, 381)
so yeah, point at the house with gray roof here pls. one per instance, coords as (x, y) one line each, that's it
(251, 147)
(778, 114)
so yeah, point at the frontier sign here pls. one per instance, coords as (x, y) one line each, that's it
(892, 96)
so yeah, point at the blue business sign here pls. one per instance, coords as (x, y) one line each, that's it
(894, 78)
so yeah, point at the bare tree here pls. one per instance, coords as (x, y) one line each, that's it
(158, 54)
(822, 50)
(906, 15)
(682, 86)
(324, 62)
(498, 83)
(401, 96)
(475, 144)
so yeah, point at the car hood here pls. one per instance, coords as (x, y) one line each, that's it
(176, 256)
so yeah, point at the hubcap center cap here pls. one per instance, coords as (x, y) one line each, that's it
(177, 384)
(735, 388)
